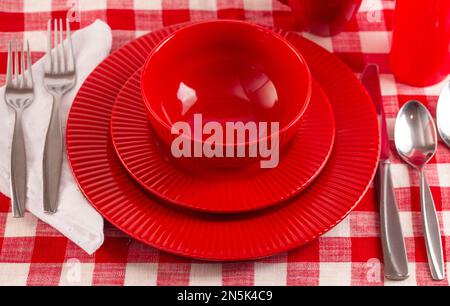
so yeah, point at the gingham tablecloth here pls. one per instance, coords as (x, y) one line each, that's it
(32, 253)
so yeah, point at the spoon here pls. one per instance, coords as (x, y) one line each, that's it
(443, 114)
(416, 143)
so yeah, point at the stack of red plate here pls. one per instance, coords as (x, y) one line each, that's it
(201, 211)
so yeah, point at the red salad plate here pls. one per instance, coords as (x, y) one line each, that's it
(123, 202)
(219, 190)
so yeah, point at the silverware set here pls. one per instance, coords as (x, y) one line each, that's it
(59, 78)
(415, 139)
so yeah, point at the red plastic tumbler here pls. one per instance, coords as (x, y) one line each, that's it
(420, 44)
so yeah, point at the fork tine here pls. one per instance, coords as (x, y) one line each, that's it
(70, 56)
(28, 70)
(62, 48)
(9, 66)
(55, 41)
(49, 61)
(22, 78)
(16, 64)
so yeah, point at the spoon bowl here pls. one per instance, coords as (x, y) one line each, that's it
(443, 114)
(415, 134)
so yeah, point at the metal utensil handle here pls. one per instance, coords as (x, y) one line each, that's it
(394, 250)
(18, 168)
(431, 230)
(53, 157)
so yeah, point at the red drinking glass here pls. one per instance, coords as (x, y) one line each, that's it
(420, 43)
(323, 17)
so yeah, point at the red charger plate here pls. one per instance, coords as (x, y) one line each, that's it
(332, 196)
(212, 189)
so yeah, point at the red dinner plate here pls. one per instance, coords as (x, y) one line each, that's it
(332, 196)
(213, 189)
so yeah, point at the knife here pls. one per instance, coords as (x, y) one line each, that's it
(394, 250)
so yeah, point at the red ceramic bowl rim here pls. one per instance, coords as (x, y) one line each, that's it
(268, 31)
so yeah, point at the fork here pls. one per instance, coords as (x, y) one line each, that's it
(19, 94)
(59, 78)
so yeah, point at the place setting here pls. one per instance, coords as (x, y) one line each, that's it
(241, 235)
(218, 140)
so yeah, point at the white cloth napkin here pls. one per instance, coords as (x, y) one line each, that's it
(75, 218)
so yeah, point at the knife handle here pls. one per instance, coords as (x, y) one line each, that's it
(394, 250)
(53, 157)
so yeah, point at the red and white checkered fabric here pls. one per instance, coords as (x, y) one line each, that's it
(32, 253)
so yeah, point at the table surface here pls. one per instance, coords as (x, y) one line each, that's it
(32, 253)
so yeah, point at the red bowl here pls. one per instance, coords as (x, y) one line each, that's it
(227, 71)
